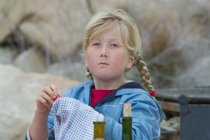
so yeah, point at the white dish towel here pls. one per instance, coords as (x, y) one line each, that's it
(74, 120)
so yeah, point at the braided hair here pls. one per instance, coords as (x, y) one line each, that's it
(144, 74)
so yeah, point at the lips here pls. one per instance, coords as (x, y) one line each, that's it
(103, 63)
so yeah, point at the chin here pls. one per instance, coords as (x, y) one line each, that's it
(105, 77)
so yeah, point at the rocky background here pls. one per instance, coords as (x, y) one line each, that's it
(41, 43)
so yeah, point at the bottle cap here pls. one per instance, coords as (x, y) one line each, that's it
(99, 129)
(127, 110)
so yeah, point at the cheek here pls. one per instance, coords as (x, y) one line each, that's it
(121, 58)
(90, 59)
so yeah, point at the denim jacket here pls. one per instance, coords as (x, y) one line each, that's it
(146, 113)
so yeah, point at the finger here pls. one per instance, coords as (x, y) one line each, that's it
(49, 92)
(55, 90)
(46, 106)
(58, 92)
(47, 98)
(43, 101)
(53, 87)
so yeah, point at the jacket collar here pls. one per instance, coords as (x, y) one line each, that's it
(111, 96)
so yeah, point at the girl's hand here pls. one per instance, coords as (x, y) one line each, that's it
(46, 98)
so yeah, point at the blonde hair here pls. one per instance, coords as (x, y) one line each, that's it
(130, 35)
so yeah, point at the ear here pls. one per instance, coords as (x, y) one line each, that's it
(130, 62)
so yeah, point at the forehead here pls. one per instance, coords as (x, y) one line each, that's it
(111, 32)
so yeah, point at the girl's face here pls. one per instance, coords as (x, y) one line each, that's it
(106, 56)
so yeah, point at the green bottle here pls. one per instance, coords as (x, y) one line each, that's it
(99, 130)
(127, 122)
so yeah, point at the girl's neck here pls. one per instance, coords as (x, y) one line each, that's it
(108, 85)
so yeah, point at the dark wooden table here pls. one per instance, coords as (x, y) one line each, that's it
(193, 107)
(169, 99)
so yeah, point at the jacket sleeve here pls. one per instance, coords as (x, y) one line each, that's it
(146, 118)
(50, 126)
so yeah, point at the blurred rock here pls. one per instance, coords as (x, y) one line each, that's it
(31, 60)
(57, 26)
(98, 5)
(7, 55)
(156, 21)
(12, 14)
(195, 76)
(18, 94)
(75, 71)
(173, 35)
(5, 29)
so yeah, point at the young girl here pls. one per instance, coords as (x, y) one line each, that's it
(111, 47)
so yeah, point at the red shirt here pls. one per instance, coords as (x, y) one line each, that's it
(98, 95)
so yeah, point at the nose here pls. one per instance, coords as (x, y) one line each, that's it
(104, 51)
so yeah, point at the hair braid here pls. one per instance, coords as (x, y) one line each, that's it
(144, 75)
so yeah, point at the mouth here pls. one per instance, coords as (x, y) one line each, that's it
(103, 63)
